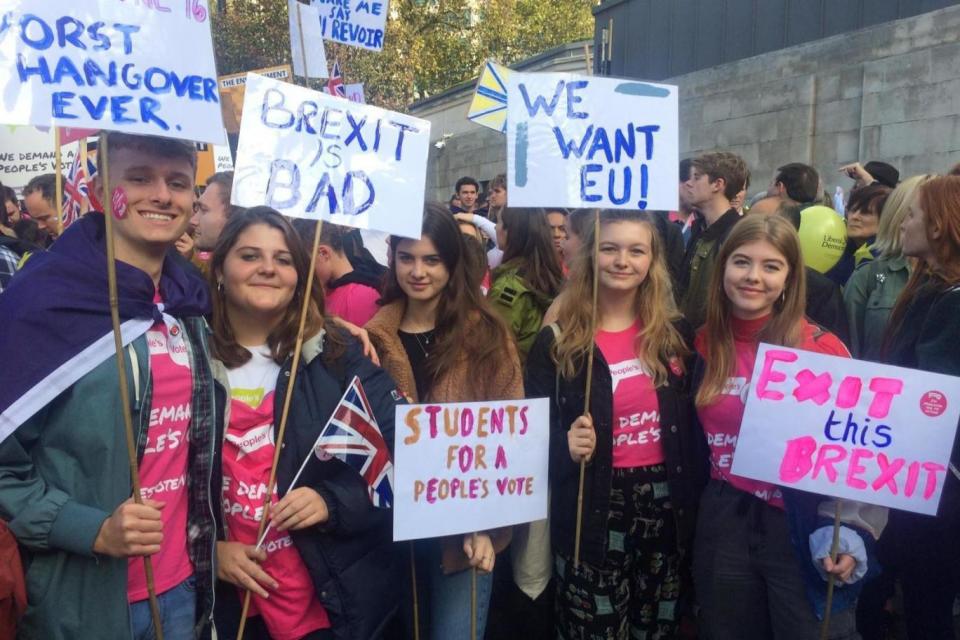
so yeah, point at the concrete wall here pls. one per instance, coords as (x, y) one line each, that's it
(889, 92)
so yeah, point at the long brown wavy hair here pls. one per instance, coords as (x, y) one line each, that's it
(785, 326)
(530, 249)
(939, 198)
(282, 339)
(466, 327)
(658, 342)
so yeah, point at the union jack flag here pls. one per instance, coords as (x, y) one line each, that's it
(352, 435)
(75, 191)
(91, 193)
(335, 83)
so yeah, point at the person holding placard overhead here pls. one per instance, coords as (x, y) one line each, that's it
(750, 536)
(640, 491)
(441, 342)
(327, 563)
(923, 334)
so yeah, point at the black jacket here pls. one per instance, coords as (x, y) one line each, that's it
(566, 405)
(351, 558)
(825, 305)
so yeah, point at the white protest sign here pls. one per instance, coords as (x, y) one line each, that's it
(849, 429)
(359, 23)
(306, 41)
(584, 141)
(26, 153)
(355, 93)
(136, 67)
(222, 158)
(311, 155)
(469, 466)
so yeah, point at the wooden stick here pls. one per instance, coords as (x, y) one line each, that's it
(825, 625)
(122, 372)
(288, 396)
(57, 160)
(473, 594)
(416, 607)
(589, 385)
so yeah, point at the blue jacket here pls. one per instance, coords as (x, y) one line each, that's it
(351, 558)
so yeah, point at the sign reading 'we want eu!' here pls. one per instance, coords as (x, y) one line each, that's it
(137, 67)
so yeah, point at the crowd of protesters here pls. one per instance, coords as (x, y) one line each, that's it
(491, 303)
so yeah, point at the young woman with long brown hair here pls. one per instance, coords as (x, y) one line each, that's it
(923, 334)
(639, 494)
(750, 534)
(441, 342)
(325, 531)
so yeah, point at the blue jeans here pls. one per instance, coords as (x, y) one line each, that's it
(178, 613)
(444, 600)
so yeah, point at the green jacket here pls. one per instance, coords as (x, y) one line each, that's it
(519, 304)
(65, 470)
(699, 262)
(869, 297)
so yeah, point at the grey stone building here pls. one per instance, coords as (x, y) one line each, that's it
(819, 82)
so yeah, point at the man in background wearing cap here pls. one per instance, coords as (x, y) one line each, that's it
(870, 173)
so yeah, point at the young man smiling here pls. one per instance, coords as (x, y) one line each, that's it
(64, 477)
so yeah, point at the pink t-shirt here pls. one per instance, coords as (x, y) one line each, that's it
(636, 410)
(163, 470)
(721, 420)
(354, 302)
(293, 610)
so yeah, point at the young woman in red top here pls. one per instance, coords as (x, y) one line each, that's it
(749, 538)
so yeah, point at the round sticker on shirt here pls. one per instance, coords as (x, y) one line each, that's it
(176, 345)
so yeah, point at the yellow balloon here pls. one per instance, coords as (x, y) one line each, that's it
(823, 237)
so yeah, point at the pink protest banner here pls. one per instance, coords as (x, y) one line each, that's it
(849, 429)
(469, 466)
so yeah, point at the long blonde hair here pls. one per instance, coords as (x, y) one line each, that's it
(658, 342)
(894, 211)
(785, 326)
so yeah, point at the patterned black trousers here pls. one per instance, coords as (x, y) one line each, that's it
(633, 595)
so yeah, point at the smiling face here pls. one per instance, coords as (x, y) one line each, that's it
(754, 277)
(421, 273)
(625, 255)
(159, 195)
(468, 196)
(259, 277)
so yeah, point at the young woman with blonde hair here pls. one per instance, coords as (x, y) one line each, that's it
(751, 535)
(635, 435)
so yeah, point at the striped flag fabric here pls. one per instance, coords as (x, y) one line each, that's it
(335, 86)
(353, 436)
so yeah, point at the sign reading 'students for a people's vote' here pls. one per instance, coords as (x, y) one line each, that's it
(469, 466)
(138, 67)
(311, 155)
(850, 429)
(583, 141)
(359, 23)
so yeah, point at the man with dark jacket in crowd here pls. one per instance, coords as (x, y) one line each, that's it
(796, 182)
(715, 179)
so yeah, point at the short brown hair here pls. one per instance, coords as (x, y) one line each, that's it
(499, 180)
(726, 165)
(163, 147)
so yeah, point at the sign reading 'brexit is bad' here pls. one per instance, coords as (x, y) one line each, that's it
(469, 466)
(137, 67)
(850, 429)
(583, 141)
(311, 155)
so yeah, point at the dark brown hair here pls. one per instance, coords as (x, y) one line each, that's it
(726, 165)
(530, 249)
(466, 327)
(283, 339)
